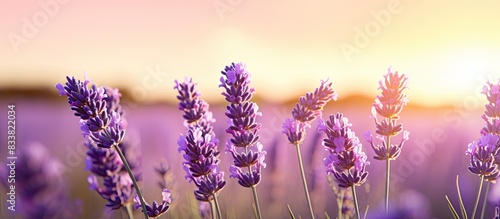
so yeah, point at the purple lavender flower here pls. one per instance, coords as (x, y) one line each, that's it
(201, 163)
(199, 144)
(492, 118)
(105, 164)
(347, 162)
(101, 120)
(196, 110)
(482, 152)
(306, 111)
(243, 127)
(392, 100)
(156, 210)
(388, 105)
(38, 194)
(482, 162)
(381, 150)
(101, 123)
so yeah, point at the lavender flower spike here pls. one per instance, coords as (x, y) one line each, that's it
(102, 122)
(199, 144)
(105, 127)
(492, 118)
(304, 113)
(117, 186)
(388, 105)
(346, 162)
(243, 127)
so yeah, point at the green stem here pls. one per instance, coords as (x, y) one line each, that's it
(478, 196)
(128, 208)
(387, 174)
(256, 200)
(212, 210)
(355, 199)
(485, 198)
(304, 180)
(216, 203)
(125, 163)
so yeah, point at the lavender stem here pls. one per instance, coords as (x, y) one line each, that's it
(125, 163)
(216, 203)
(256, 200)
(485, 198)
(299, 156)
(387, 174)
(212, 210)
(355, 199)
(478, 196)
(128, 208)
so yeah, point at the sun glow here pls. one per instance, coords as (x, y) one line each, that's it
(457, 73)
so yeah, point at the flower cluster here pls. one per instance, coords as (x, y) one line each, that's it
(307, 110)
(109, 177)
(199, 144)
(104, 126)
(346, 161)
(156, 210)
(388, 105)
(242, 113)
(39, 195)
(196, 110)
(482, 152)
(485, 154)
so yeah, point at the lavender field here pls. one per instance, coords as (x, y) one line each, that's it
(421, 177)
(230, 109)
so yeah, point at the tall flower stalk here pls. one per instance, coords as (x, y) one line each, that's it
(199, 145)
(304, 113)
(102, 122)
(346, 161)
(388, 105)
(243, 128)
(492, 118)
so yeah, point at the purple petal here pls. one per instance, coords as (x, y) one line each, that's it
(60, 88)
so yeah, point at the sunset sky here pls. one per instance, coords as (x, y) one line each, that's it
(448, 48)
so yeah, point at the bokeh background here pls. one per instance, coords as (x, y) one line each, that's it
(449, 49)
